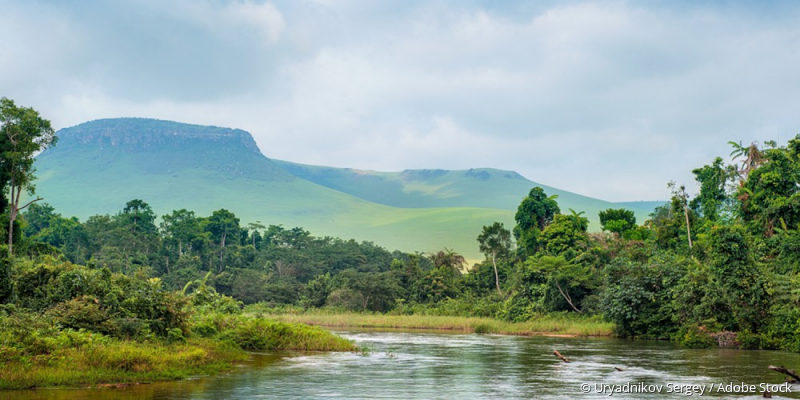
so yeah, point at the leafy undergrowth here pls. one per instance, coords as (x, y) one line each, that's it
(86, 359)
(44, 356)
(254, 333)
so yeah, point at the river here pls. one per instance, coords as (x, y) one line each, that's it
(426, 365)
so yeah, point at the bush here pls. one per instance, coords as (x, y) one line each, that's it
(84, 313)
(695, 337)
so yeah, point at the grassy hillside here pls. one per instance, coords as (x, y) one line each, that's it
(478, 187)
(95, 169)
(98, 166)
(648, 206)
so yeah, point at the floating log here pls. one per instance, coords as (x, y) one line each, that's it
(785, 371)
(618, 369)
(560, 356)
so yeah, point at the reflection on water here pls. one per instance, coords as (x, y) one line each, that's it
(441, 365)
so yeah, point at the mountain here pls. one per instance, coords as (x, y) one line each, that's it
(98, 166)
(426, 188)
(649, 206)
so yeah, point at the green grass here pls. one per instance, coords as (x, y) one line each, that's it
(258, 333)
(546, 325)
(44, 356)
(114, 361)
(476, 188)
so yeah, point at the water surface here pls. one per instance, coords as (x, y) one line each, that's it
(467, 366)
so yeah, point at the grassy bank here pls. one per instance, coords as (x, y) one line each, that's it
(101, 360)
(46, 357)
(545, 325)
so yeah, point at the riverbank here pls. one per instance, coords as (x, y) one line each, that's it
(103, 361)
(68, 358)
(545, 325)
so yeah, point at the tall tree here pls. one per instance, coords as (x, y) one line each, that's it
(139, 217)
(254, 227)
(751, 157)
(534, 213)
(565, 237)
(450, 260)
(712, 197)
(24, 134)
(224, 227)
(180, 228)
(495, 240)
(681, 198)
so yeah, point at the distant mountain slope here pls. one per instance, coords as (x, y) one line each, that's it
(478, 187)
(98, 166)
(648, 206)
(164, 147)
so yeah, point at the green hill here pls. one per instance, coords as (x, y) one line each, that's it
(648, 206)
(477, 187)
(98, 166)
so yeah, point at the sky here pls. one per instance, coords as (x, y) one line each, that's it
(610, 99)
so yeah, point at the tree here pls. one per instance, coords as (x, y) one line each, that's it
(449, 260)
(563, 275)
(223, 225)
(712, 197)
(681, 198)
(770, 195)
(565, 237)
(181, 226)
(751, 155)
(617, 220)
(254, 227)
(139, 217)
(24, 134)
(736, 280)
(534, 213)
(495, 240)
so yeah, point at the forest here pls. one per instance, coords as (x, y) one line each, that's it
(717, 268)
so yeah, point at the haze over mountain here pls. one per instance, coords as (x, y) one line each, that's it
(98, 166)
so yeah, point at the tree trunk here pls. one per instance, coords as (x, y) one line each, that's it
(688, 229)
(496, 277)
(566, 297)
(366, 301)
(13, 211)
(786, 371)
(222, 251)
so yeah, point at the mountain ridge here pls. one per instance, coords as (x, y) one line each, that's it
(99, 165)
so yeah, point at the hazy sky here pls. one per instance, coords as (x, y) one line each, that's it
(610, 99)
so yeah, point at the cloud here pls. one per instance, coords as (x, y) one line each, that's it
(609, 99)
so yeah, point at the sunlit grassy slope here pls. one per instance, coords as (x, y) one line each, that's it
(98, 166)
(478, 187)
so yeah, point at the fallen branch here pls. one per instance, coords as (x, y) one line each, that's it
(785, 371)
(560, 356)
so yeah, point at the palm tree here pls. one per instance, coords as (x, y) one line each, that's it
(752, 157)
(450, 259)
(581, 223)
